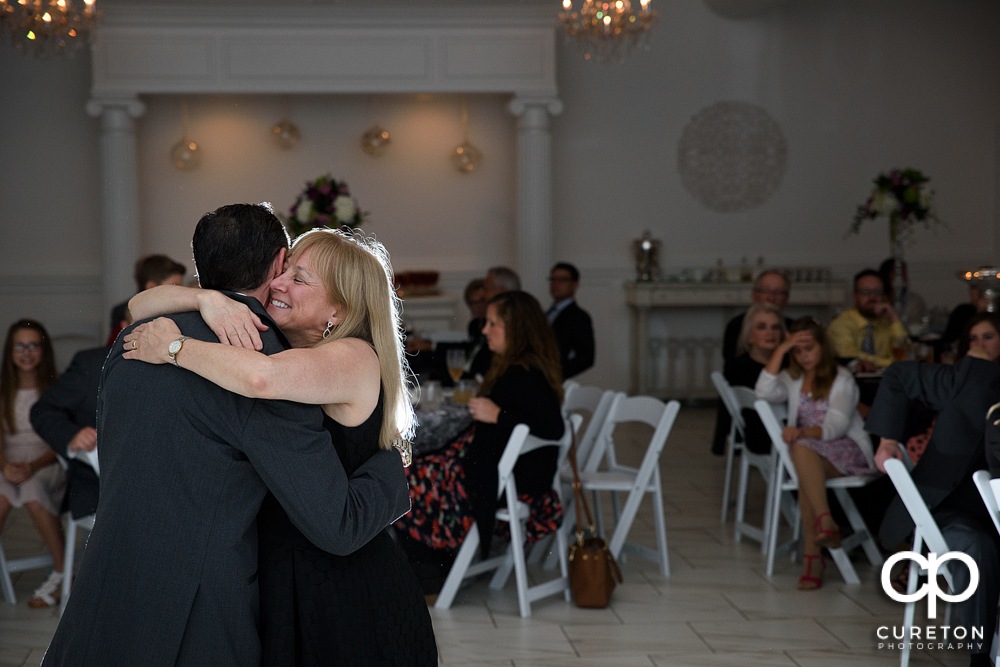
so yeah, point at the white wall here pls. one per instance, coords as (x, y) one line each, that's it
(858, 86)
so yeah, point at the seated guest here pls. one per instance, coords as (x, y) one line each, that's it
(499, 279)
(959, 318)
(868, 331)
(961, 394)
(981, 339)
(425, 356)
(32, 477)
(475, 301)
(825, 435)
(763, 331)
(66, 419)
(571, 323)
(769, 287)
(458, 485)
(910, 305)
(150, 271)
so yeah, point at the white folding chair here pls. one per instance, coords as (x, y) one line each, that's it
(734, 440)
(72, 525)
(576, 398)
(637, 482)
(926, 533)
(514, 512)
(785, 481)
(9, 567)
(745, 399)
(989, 489)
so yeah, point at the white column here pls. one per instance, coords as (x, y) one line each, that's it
(119, 197)
(534, 191)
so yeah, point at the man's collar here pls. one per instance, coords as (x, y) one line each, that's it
(258, 309)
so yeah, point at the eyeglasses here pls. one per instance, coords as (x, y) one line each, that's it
(26, 347)
(771, 292)
(869, 292)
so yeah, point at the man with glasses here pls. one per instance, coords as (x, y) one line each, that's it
(770, 287)
(870, 330)
(571, 323)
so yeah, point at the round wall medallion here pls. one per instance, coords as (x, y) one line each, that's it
(732, 156)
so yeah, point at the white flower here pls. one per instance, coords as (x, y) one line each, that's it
(304, 210)
(924, 198)
(885, 203)
(343, 208)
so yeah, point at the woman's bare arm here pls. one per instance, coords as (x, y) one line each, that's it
(233, 322)
(339, 372)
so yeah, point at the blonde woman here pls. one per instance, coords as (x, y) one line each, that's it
(335, 304)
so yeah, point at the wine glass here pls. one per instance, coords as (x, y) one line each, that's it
(456, 362)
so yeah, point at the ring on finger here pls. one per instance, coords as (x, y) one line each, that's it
(135, 344)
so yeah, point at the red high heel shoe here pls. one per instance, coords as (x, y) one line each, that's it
(807, 582)
(825, 537)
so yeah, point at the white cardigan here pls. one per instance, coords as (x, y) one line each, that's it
(842, 418)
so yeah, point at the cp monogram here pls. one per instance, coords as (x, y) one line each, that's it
(930, 590)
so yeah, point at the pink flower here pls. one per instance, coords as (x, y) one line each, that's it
(325, 188)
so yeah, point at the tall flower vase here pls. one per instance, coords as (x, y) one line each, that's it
(898, 285)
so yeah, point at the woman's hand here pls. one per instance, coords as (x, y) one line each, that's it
(484, 410)
(17, 473)
(979, 353)
(233, 322)
(149, 342)
(790, 434)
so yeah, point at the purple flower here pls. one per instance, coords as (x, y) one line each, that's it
(325, 188)
(322, 219)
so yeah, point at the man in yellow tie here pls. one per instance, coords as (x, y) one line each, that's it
(869, 331)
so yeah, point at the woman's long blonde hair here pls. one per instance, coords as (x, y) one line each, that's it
(357, 275)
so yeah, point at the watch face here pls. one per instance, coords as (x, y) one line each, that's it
(175, 347)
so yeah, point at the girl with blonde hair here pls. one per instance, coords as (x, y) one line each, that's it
(336, 305)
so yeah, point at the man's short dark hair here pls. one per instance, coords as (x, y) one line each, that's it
(235, 245)
(156, 268)
(573, 272)
(864, 274)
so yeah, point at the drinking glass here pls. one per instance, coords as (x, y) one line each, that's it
(464, 390)
(456, 362)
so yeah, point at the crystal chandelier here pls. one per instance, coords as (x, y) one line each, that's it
(608, 31)
(47, 29)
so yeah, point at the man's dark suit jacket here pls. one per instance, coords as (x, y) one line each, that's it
(961, 395)
(67, 406)
(575, 336)
(169, 576)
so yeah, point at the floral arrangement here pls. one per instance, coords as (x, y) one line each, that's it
(326, 202)
(903, 196)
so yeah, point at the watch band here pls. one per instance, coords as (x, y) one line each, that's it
(173, 355)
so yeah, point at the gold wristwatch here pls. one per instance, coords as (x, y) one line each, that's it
(174, 348)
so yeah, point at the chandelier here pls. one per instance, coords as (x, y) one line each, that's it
(47, 29)
(608, 31)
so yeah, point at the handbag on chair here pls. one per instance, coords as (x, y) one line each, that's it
(592, 568)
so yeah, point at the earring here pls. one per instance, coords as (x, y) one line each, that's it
(329, 330)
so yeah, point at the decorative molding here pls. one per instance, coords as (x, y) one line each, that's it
(324, 50)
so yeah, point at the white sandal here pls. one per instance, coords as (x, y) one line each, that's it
(48, 594)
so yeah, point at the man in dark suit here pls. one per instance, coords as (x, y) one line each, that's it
(571, 323)
(66, 418)
(961, 395)
(169, 576)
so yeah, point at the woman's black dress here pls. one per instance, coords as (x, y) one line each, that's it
(319, 609)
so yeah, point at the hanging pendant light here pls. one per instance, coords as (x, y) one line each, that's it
(185, 155)
(465, 157)
(286, 134)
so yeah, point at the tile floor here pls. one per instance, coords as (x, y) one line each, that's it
(717, 607)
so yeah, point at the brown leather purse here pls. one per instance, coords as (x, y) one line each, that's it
(592, 568)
